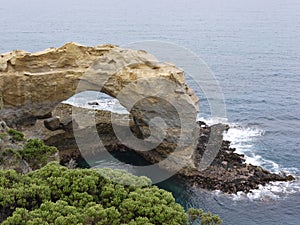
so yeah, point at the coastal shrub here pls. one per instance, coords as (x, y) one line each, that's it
(16, 135)
(205, 218)
(36, 153)
(57, 195)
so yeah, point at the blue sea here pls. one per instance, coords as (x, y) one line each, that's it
(253, 49)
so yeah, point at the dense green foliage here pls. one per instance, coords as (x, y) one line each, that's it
(16, 135)
(36, 153)
(205, 218)
(57, 195)
(33, 153)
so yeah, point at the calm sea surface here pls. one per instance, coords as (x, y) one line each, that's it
(253, 48)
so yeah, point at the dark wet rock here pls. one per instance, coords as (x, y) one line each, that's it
(228, 171)
(68, 123)
(93, 103)
(52, 123)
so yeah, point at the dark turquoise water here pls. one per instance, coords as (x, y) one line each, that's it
(253, 48)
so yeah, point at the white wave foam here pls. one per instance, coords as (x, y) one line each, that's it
(243, 140)
(211, 121)
(271, 191)
(108, 104)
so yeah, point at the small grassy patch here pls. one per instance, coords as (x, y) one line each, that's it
(16, 135)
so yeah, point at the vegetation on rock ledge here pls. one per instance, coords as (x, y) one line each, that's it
(16, 135)
(36, 153)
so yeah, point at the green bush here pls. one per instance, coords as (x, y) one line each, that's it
(3, 135)
(36, 153)
(16, 135)
(205, 218)
(57, 195)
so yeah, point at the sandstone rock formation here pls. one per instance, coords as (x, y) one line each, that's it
(32, 84)
(162, 106)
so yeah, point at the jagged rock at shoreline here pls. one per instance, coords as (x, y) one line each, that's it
(33, 85)
(229, 172)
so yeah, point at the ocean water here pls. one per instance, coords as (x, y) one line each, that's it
(253, 48)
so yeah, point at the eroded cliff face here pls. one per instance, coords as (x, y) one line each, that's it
(32, 84)
(162, 106)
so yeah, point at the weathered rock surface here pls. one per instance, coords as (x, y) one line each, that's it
(32, 84)
(64, 138)
(52, 123)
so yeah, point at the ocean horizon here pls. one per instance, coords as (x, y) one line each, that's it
(252, 48)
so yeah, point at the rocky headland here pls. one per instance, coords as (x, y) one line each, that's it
(34, 85)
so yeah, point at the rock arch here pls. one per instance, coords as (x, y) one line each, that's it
(32, 84)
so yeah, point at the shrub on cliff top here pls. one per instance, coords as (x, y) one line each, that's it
(36, 153)
(57, 195)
